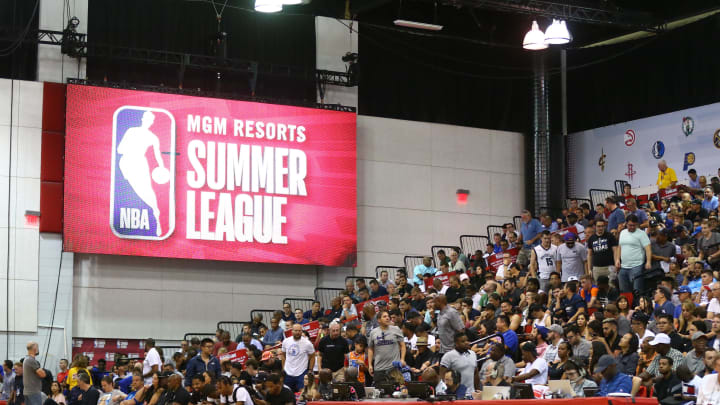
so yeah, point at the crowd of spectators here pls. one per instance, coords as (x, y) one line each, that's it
(618, 298)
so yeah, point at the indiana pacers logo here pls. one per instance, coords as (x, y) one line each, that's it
(142, 191)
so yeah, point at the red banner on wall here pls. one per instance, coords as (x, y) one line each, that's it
(96, 349)
(496, 260)
(359, 306)
(235, 356)
(312, 328)
(444, 278)
(154, 174)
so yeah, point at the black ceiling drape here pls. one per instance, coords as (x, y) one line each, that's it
(21, 62)
(191, 27)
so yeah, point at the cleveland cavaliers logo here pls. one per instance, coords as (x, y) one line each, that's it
(142, 190)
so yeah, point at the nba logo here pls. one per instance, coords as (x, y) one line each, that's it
(142, 188)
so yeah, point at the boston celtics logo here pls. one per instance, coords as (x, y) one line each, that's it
(688, 125)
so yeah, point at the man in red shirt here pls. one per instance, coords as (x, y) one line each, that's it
(225, 342)
(62, 375)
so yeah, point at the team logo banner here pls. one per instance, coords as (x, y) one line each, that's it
(154, 174)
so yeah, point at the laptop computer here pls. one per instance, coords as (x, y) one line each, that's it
(522, 391)
(590, 391)
(340, 392)
(418, 389)
(490, 392)
(386, 389)
(562, 386)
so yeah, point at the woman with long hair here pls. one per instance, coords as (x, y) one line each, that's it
(581, 320)
(155, 391)
(596, 351)
(628, 358)
(310, 391)
(687, 316)
(645, 306)
(557, 367)
(57, 394)
(623, 306)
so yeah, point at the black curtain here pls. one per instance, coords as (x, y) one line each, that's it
(434, 79)
(191, 27)
(670, 72)
(18, 60)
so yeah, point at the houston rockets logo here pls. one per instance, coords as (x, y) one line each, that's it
(630, 173)
(142, 190)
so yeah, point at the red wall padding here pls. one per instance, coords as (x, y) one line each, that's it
(52, 158)
(51, 206)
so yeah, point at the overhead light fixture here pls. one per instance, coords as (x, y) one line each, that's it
(268, 6)
(418, 25)
(557, 33)
(291, 2)
(534, 39)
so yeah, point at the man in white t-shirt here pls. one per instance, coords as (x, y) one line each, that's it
(297, 358)
(232, 394)
(152, 363)
(536, 369)
(714, 305)
(710, 388)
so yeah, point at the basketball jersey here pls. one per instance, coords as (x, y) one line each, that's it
(545, 260)
(354, 360)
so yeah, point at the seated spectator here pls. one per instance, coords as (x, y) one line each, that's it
(536, 369)
(422, 270)
(612, 381)
(274, 335)
(248, 341)
(694, 359)
(628, 357)
(314, 313)
(667, 385)
(376, 290)
(556, 368)
(351, 377)
(310, 391)
(453, 385)
(575, 373)
(224, 342)
(256, 324)
(300, 317)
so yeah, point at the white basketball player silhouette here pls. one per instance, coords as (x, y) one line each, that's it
(134, 166)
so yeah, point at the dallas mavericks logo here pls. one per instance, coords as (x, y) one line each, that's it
(688, 125)
(142, 190)
(658, 150)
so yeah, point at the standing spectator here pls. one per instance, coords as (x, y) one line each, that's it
(662, 251)
(8, 380)
(385, 345)
(666, 176)
(152, 362)
(571, 258)
(530, 235)
(296, 351)
(616, 217)
(90, 395)
(462, 360)
(542, 260)
(536, 368)
(448, 323)
(63, 371)
(201, 363)
(33, 375)
(601, 250)
(634, 250)
(332, 349)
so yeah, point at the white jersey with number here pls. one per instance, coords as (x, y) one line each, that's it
(545, 260)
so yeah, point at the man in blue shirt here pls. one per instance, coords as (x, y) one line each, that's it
(421, 270)
(663, 305)
(569, 304)
(612, 381)
(274, 335)
(376, 290)
(616, 216)
(530, 230)
(710, 202)
(203, 362)
(510, 338)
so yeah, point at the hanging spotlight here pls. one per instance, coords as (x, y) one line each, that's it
(268, 6)
(534, 39)
(557, 33)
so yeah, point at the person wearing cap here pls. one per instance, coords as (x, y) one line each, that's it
(694, 360)
(536, 368)
(555, 337)
(570, 258)
(684, 293)
(661, 343)
(633, 256)
(612, 381)
(423, 357)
